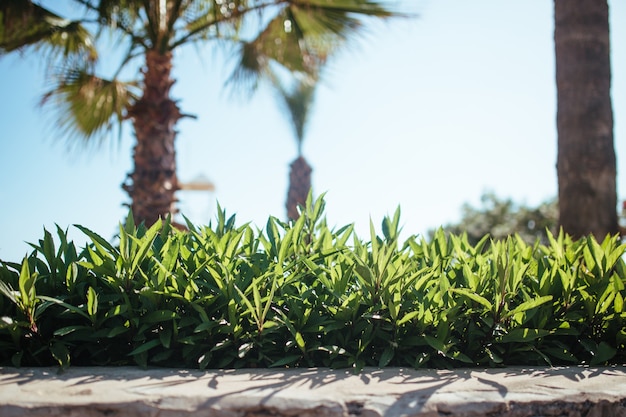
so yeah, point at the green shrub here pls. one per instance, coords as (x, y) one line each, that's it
(301, 294)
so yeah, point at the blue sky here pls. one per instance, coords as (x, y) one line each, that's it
(425, 114)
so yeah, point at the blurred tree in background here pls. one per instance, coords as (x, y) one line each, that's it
(502, 217)
(297, 101)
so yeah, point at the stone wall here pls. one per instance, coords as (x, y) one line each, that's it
(391, 392)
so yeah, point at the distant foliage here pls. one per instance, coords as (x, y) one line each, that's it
(500, 218)
(300, 294)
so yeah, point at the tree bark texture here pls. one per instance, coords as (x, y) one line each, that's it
(299, 186)
(153, 184)
(586, 164)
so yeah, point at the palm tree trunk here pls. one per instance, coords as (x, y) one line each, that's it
(586, 165)
(299, 186)
(153, 183)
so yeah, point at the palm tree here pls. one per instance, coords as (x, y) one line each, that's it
(297, 103)
(586, 164)
(297, 35)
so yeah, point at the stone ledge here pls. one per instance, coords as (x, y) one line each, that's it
(390, 392)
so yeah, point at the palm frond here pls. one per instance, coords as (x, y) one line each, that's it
(123, 18)
(283, 42)
(213, 19)
(115, 13)
(24, 24)
(324, 21)
(360, 7)
(329, 24)
(88, 106)
(302, 36)
(203, 15)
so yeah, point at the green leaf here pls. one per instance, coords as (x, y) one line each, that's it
(474, 297)
(145, 347)
(391, 227)
(165, 336)
(386, 357)
(495, 357)
(523, 335)
(258, 305)
(364, 272)
(284, 247)
(16, 359)
(7, 291)
(159, 316)
(69, 307)
(48, 249)
(145, 245)
(528, 305)
(129, 224)
(300, 341)
(287, 360)
(92, 302)
(270, 298)
(618, 303)
(116, 331)
(461, 357)
(26, 283)
(604, 353)
(269, 324)
(407, 317)
(101, 244)
(64, 331)
(561, 352)
(436, 344)
(61, 354)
